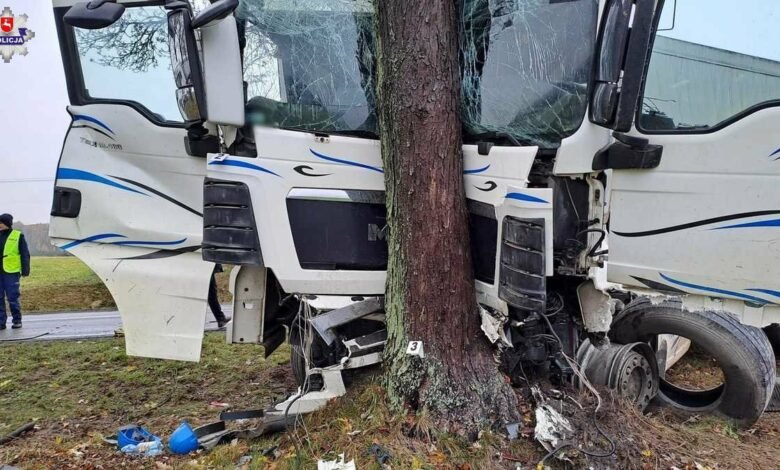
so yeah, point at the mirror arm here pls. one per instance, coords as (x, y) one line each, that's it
(199, 143)
(216, 11)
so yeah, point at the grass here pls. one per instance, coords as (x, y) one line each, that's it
(77, 392)
(61, 283)
(64, 283)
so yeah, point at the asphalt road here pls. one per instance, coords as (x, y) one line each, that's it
(75, 325)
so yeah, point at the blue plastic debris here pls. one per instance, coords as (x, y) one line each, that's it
(135, 440)
(183, 440)
(144, 449)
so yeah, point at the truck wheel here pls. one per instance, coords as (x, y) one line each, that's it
(743, 352)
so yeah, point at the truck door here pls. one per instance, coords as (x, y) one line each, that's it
(128, 198)
(704, 219)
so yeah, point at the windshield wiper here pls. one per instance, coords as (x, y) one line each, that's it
(491, 136)
(362, 133)
(692, 127)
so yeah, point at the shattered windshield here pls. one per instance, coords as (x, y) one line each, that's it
(310, 65)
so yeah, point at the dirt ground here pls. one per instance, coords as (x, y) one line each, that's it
(696, 371)
(78, 392)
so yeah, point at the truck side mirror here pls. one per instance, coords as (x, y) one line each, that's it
(96, 14)
(609, 60)
(186, 65)
(209, 80)
(621, 57)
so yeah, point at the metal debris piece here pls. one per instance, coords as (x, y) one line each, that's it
(381, 454)
(336, 464)
(493, 326)
(552, 428)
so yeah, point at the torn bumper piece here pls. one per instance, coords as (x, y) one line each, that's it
(210, 435)
(325, 323)
(283, 414)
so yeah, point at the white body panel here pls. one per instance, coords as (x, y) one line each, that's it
(346, 163)
(705, 221)
(139, 227)
(161, 301)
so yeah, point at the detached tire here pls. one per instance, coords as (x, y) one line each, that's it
(743, 352)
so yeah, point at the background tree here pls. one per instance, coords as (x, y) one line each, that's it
(430, 287)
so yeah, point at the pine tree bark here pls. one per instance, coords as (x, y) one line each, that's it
(430, 289)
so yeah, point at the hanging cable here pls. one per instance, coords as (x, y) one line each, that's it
(584, 380)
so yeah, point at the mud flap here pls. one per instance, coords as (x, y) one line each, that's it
(161, 296)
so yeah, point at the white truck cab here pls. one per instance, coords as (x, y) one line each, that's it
(612, 149)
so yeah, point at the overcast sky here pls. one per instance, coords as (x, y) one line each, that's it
(33, 97)
(33, 119)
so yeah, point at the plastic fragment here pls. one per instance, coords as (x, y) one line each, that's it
(338, 464)
(144, 449)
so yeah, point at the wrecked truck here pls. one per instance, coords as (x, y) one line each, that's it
(622, 172)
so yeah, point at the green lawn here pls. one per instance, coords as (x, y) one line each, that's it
(63, 283)
(78, 391)
(58, 271)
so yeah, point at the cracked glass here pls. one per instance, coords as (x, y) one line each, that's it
(310, 65)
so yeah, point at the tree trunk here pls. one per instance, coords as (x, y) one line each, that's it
(430, 286)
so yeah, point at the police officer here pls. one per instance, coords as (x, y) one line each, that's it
(16, 262)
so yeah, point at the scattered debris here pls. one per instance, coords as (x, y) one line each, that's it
(493, 326)
(135, 440)
(219, 404)
(336, 464)
(244, 461)
(17, 433)
(381, 454)
(512, 431)
(552, 428)
(144, 449)
(183, 440)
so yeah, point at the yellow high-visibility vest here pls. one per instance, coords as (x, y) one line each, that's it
(12, 259)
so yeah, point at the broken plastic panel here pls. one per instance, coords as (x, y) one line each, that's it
(525, 66)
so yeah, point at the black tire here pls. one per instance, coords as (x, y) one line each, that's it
(743, 353)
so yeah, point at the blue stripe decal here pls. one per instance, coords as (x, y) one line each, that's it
(525, 198)
(142, 242)
(346, 162)
(476, 170)
(242, 164)
(84, 117)
(775, 153)
(73, 174)
(93, 238)
(760, 223)
(767, 291)
(715, 290)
